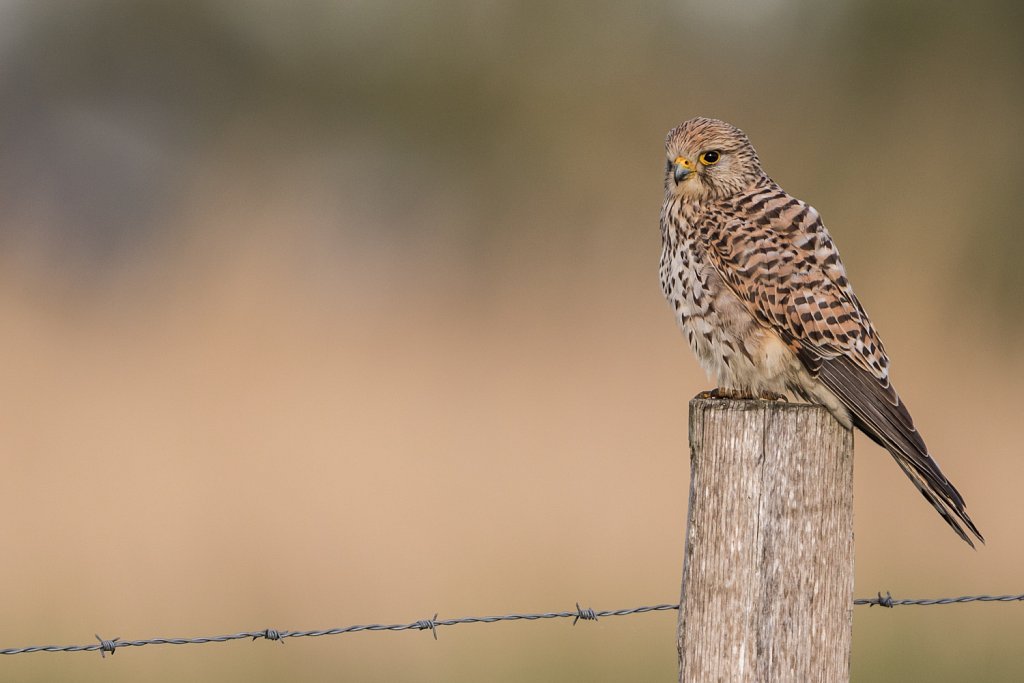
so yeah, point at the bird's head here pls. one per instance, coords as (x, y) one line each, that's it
(709, 159)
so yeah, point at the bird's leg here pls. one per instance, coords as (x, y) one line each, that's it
(720, 393)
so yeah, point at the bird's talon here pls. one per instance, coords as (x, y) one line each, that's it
(719, 393)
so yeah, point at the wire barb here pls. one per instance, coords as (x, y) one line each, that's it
(271, 634)
(107, 646)
(424, 624)
(884, 602)
(584, 614)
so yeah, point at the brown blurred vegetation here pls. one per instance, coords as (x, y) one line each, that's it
(328, 313)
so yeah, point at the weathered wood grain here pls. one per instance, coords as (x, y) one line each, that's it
(767, 589)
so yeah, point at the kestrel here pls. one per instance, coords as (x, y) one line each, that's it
(763, 299)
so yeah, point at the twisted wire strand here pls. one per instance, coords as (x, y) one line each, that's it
(110, 646)
(888, 601)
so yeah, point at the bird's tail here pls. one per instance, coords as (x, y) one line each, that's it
(880, 413)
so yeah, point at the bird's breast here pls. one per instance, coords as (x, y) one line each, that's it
(690, 285)
(728, 342)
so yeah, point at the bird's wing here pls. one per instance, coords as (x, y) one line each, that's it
(782, 263)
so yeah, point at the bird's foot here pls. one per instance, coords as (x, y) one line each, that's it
(720, 393)
(773, 396)
(739, 395)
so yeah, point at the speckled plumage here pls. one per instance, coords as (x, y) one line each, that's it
(763, 299)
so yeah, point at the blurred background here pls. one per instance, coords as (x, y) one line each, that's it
(324, 313)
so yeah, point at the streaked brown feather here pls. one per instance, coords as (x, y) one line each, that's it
(818, 315)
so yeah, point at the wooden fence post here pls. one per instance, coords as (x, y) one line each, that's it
(768, 572)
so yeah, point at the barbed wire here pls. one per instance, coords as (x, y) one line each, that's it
(104, 646)
(580, 613)
(888, 601)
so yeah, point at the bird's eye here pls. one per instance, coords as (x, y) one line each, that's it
(709, 158)
(668, 165)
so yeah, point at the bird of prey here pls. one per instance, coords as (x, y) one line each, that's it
(759, 291)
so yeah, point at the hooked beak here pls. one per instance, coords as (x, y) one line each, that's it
(683, 168)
